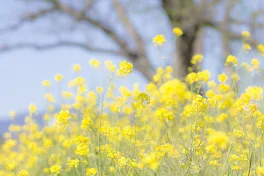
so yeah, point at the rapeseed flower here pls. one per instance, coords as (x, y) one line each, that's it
(63, 117)
(95, 63)
(58, 77)
(245, 34)
(159, 40)
(91, 171)
(55, 169)
(46, 83)
(177, 31)
(231, 60)
(125, 68)
(222, 77)
(23, 173)
(32, 108)
(76, 67)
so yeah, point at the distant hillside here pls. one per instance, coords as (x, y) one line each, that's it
(19, 120)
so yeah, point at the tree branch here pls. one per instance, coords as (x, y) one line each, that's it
(57, 45)
(88, 4)
(231, 35)
(82, 17)
(27, 18)
(251, 41)
(121, 11)
(79, 15)
(225, 28)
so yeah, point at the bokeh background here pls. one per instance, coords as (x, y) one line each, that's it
(41, 38)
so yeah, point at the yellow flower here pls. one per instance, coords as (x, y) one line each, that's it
(236, 167)
(55, 169)
(112, 169)
(169, 69)
(254, 93)
(99, 89)
(260, 48)
(91, 171)
(211, 84)
(247, 47)
(231, 59)
(177, 31)
(109, 65)
(143, 98)
(73, 163)
(222, 77)
(245, 34)
(46, 170)
(7, 135)
(11, 166)
(23, 173)
(79, 81)
(76, 67)
(46, 83)
(125, 68)
(214, 163)
(197, 58)
(82, 149)
(114, 108)
(151, 161)
(95, 63)
(260, 170)
(32, 108)
(86, 122)
(235, 77)
(122, 161)
(58, 77)
(238, 133)
(159, 40)
(218, 139)
(203, 75)
(66, 94)
(255, 63)
(12, 114)
(163, 114)
(221, 117)
(49, 97)
(63, 117)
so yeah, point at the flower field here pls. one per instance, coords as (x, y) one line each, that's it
(173, 127)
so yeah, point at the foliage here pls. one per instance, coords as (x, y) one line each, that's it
(168, 129)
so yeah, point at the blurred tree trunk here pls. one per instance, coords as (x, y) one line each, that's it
(185, 47)
(180, 14)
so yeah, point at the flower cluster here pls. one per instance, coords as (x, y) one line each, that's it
(194, 126)
(125, 68)
(159, 40)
